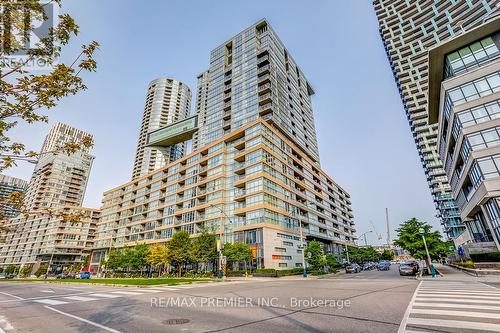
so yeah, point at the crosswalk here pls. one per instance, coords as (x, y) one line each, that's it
(447, 306)
(88, 297)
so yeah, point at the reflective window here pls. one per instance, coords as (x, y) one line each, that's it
(472, 56)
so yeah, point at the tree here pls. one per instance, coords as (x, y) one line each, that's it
(137, 256)
(362, 254)
(158, 256)
(409, 238)
(26, 270)
(331, 261)
(315, 255)
(115, 260)
(204, 248)
(26, 96)
(179, 250)
(387, 255)
(238, 252)
(10, 269)
(42, 269)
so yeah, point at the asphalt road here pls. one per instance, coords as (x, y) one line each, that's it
(365, 302)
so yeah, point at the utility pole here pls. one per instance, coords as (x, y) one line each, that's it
(388, 228)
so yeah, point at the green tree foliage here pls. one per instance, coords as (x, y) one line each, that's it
(179, 250)
(204, 249)
(315, 256)
(27, 96)
(42, 269)
(409, 238)
(331, 261)
(115, 260)
(10, 269)
(362, 254)
(158, 256)
(26, 270)
(238, 252)
(387, 255)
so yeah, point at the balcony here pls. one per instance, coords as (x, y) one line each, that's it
(227, 96)
(226, 124)
(264, 70)
(265, 109)
(264, 88)
(264, 79)
(226, 115)
(227, 106)
(263, 99)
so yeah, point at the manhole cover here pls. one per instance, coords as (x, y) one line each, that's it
(178, 321)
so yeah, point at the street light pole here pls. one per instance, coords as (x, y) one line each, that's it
(220, 272)
(304, 270)
(422, 232)
(364, 236)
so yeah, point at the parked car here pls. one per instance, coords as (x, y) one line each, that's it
(383, 265)
(408, 268)
(84, 275)
(353, 268)
(366, 266)
(3, 276)
(66, 276)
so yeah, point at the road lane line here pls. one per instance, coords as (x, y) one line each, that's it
(402, 326)
(454, 300)
(105, 295)
(471, 325)
(464, 297)
(80, 298)
(149, 290)
(457, 313)
(126, 293)
(460, 291)
(10, 295)
(109, 329)
(458, 306)
(50, 301)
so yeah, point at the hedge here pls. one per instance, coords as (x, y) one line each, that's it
(486, 257)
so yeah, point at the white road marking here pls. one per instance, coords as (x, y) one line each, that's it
(105, 295)
(50, 301)
(148, 290)
(46, 291)
(10, 295)
(4, 324)
(125, 293)
(109, 329)
(472, 305)
(471, 325)
(455, 300)
(80, 298)
(458, 306)
(402, 326)
(457, 313)
(458, 296)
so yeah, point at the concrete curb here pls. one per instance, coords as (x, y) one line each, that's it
(476, 272)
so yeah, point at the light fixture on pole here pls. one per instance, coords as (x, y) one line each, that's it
(364, 236)
(429, 266)
(220, 243)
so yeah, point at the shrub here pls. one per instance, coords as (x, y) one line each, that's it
(236, 273)
(465, 264)
(486, 257)
(318, 272)
(265, 272)
(287, 272)
(42, 269)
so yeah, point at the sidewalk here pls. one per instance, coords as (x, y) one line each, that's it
(454, 274)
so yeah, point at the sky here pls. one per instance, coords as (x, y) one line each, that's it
(364, 138)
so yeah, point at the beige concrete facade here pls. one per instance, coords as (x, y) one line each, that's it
(266, 186)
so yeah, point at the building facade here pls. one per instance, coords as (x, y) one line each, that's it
(252, 75)
(167, 101)
(7, 186)
(59, 179)
(201, 105)
(408, 30)
(267, 187)
(464, 100)
(51, 238)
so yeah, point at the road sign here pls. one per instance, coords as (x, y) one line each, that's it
(460, 251)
